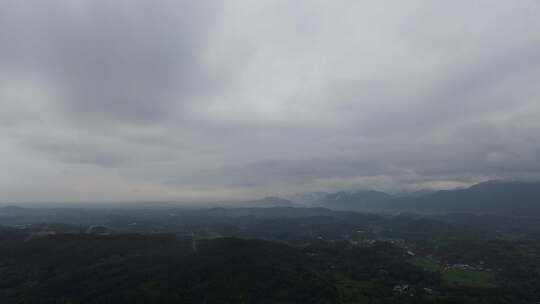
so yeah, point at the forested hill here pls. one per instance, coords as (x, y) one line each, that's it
(79, 268)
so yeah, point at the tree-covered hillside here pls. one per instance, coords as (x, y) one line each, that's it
(75, 268)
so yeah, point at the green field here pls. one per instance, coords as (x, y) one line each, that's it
(468, 278)
(352, 291)
(456, 276)
(429, 264)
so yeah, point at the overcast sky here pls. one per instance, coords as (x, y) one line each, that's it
(202, 100)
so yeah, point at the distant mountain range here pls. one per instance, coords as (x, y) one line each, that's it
(492, 197)
(354, 200)
(270, 201)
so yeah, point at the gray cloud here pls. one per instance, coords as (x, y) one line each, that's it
(121, 61)
(119, 100)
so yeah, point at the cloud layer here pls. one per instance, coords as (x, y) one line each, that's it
(193, 100)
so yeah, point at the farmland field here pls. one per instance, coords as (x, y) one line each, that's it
(468, 278)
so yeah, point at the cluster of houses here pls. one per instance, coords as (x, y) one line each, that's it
(407, 289)
(466, 267)
(400, 289)
(98, 230)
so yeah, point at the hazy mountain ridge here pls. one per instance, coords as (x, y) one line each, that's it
(269, 201)
(345, 200)
(492, 197)
(496, 197)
